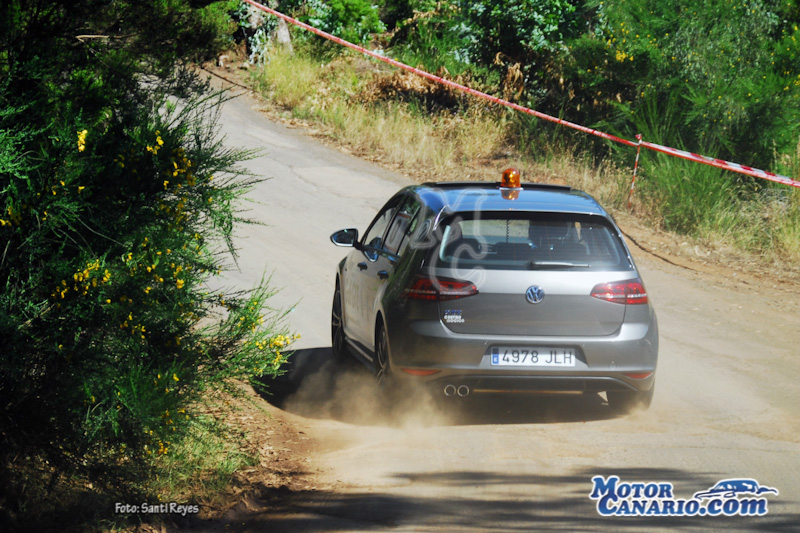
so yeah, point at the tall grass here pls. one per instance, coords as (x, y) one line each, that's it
(689, 197)
(402, 133)
(787, 227)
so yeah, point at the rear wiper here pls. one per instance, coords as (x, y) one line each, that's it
(534, 265)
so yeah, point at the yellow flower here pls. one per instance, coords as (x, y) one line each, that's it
(82, 140)
(175, 377)
(179, 283)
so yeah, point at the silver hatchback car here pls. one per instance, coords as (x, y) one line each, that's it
(497, 287)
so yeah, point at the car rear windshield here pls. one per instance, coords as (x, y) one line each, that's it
(530, 241)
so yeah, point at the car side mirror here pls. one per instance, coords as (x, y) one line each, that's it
(345, 237)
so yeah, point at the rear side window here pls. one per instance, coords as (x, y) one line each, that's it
(530, 241)
(403, 225)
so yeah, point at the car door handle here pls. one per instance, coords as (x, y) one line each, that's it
(383, 274)
(362, 266)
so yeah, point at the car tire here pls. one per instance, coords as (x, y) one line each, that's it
(338, 338)
(626, 401)
(383, 373)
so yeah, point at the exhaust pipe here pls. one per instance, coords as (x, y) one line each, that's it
(449, 390)
(463, 391)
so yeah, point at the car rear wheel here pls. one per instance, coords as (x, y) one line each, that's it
(391, 389)
(338, 341)
(382, 371)
(626, 401)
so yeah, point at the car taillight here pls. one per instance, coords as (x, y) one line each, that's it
(440, 289)
(624, 292)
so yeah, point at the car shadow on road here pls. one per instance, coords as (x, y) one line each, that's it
(316, 385)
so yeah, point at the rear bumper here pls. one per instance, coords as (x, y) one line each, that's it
(459, 359)
(545, 384)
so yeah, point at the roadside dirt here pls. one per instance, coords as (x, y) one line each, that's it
(334, 457)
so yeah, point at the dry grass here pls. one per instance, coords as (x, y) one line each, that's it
(441, 144)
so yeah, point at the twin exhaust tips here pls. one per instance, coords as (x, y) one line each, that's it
(451, 390)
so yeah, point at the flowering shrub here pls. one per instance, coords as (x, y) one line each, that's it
(117, 207)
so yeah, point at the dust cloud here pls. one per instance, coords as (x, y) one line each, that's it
(318, 386)
(348, 392)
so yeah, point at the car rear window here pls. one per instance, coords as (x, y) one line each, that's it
(530, 241)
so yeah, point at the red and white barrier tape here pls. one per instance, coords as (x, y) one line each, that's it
(726, 165)
(720, 163)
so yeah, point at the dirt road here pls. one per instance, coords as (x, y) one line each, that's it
(727, 403)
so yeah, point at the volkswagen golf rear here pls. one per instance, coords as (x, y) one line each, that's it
(474, 288)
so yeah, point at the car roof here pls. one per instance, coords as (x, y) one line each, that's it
(483, 196)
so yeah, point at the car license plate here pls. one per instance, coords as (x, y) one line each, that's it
(516, 356)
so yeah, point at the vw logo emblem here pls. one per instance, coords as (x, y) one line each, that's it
(534, 294)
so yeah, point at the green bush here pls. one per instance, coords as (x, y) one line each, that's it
(482, 37)
(519, 29)
(352, 20)
(732, 67)
(117, 204)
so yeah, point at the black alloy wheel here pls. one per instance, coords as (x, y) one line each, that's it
(382, 358)
(338, 342)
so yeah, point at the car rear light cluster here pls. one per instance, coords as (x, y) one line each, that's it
(624, 292)
(440, 289)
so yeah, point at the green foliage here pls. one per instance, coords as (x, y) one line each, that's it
(117, 206)
(217, 17)
(433, 38)
(352, 20)
(731, 65)
(519, 29)
(480, 36)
